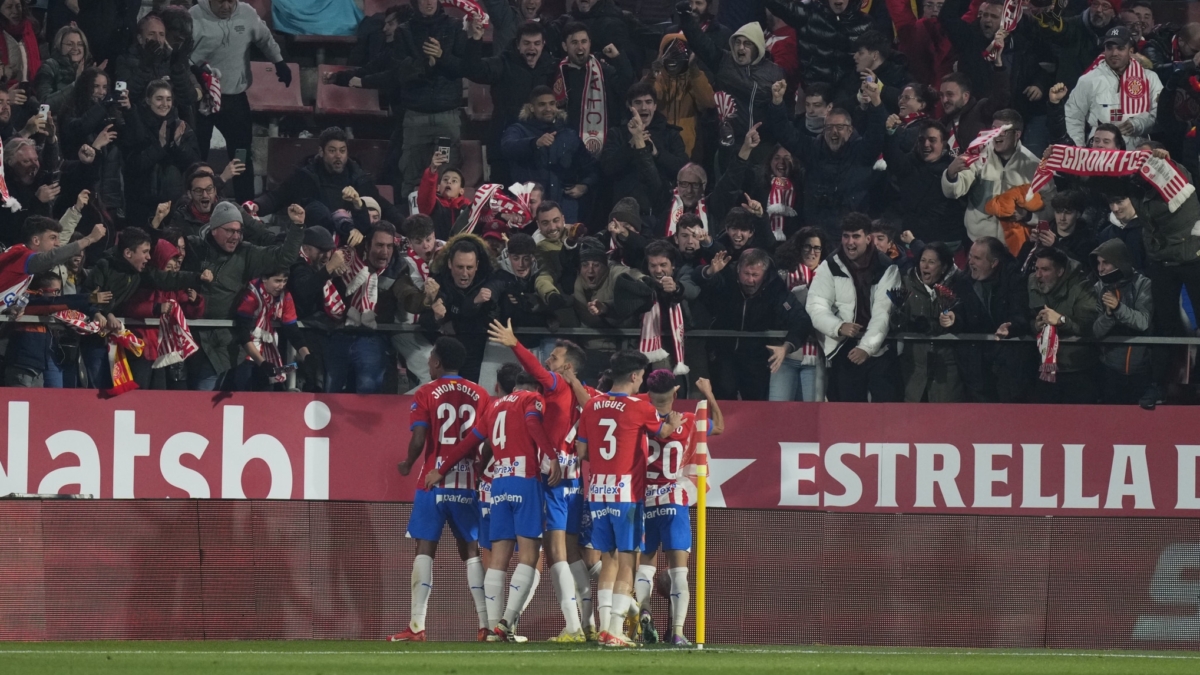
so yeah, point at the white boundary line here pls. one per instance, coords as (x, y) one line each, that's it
(520, 652)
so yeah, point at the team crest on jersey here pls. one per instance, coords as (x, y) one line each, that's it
(537, 405)
(414, 407)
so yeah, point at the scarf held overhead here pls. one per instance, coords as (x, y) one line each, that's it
(975, 151)
(1161, 173)
(593, 117)
(1009, 18)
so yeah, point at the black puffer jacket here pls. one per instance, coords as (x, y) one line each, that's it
(424, 88)
(511, 80)
(139, 66)
(826, 39)
(918, 203)
(641, 174)
(608, 25)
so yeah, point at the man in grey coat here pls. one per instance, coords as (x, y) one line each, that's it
(1126, 308)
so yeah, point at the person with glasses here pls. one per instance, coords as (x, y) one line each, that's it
(801, 377)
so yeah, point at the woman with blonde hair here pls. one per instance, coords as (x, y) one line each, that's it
(69, 56)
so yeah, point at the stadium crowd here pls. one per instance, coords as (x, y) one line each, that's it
(835, 172)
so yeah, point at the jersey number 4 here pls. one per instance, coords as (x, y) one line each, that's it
(449, 417)
(499, 437)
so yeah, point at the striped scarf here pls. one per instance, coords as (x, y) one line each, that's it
(1161, 173)
(119, 343)
(362, 283)
(802, 275)
(269, 309)
(175, 342)
(677, 210)
(651, 340)
(332, 300)
(781, 204)
(1135, 90)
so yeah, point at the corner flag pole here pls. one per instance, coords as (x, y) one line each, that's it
(701, 460)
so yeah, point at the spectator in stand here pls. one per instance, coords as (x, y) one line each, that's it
(224, 31)
(15, 116)
(36, 189)
(684, 92)
(1124, 222)
(887, 240)
(849, 304)
(782, 45)
(159, 147)
(818, 102)
(963, 114)
(875, 61)
(1125, 308)
(743, 230)
(310, 285)
(801, 377)
(1068, 232)
(923, 40)
(916, 103)
(551, 238)
(696, 246)
(995, 301)
(513, 75)
(701, 11)
(577, 72)
(442, 196)
(755, 299)
(151, 59)
(776, 183)
(376, 72)
(742, 69)
(466, 301)
(325, 178)
(263, 303)
(543, 148)
(929, 369)
(108, 25)
(201, 196)
(624, 237)
(1138, 17)
(919, 205)
(1061, 299)
(429, 49)
(234, 263)
(662, 275)
(826, 31)
(606, 294)
(607, 25)
(1098, 97)
(31, 356)
(1078, 40)
(69, 56)
(838, 165)
(642, 157)
(519, 301)
(20, 57)
(1003, 165)
(151, 303)
(421, 244)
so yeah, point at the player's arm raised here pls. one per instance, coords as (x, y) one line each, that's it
(503, 335)
(714, 410)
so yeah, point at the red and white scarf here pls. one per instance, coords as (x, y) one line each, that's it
(1009, 18)
(119, 343)
(419, 264)
(975, 151)
(1135, 90)
(7, 199)
(332, 300)
(175, 341)
(677, 210)
(803, 276)
(780, 204)
(651, 341)
(270, 309)
(1047, 344)
(726, 106)
(481, 205)
(470, 8)
(1161, 173)
(593, 117)
(362, 284)
(210, 79)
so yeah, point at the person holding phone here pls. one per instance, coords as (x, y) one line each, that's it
(150, 58)
(159, 148)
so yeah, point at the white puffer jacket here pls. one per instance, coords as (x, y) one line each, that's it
(832, 302)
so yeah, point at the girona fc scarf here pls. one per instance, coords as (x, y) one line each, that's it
(491, 204)
(1135, 89)
(470, 8)
(1047, 344)
(677, 210)
(780, 205)
(332, 304)
(593, 117)
(803, 276)
(270, 308)
(362, 283)
(175, 342)
(481, 204)
(5, 198)
(975, 151)
(1009, 18)
(1162, 174)
(651, 340)
(118, 344)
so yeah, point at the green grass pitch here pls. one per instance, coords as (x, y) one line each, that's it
(368, 658)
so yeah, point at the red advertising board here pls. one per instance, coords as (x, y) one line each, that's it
(855, 458)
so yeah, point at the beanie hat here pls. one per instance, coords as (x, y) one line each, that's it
(371, 204)
(627, 211)
(590, 249)
(223, 214)
(319, 238)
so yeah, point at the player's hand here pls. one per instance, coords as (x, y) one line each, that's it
(674, 419)
(404, 467)
(431, 478)
(556, 473)
(858, 356)
(704, 386)
(502, 334)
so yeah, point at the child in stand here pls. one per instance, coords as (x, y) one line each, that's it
(264, 302)
(890, 243)
(442, 195)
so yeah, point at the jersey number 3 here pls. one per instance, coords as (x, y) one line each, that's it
(609, 449)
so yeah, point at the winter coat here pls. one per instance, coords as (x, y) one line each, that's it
(772, 307)
(139, 66)
(641, 174)
(930, 369)
(1075, 41)
(607, 25)
(114, 274)
(622, 292)
(1074, 298)
(1170, 238)
(54, 82)
(835, 183)
(511, 80)
(564, 163)
(465, 319)
(225, 45)
(833, 300)
(231, 273)
(919, 204)
(518, 300)
(826, 39)
(444, 212)
(424, 88)
(1133, 315)
(987, 178)
(683, 98)
(1096, 94)
(1078, 245)
(313, 183)
(1131, 235)
(154, 172)
(618, 77)
(977, 114)
(146, 303)
(750, 86)
(924, 41)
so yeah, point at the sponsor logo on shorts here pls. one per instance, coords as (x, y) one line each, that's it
(456, 499)
(516, 499)
(662, 511)
(606, 511)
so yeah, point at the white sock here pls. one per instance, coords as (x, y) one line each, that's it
(493, 593)
(643, 585)
(604, 600)
(564, 589)
(537, 579)
(679, 597)
(583, 592)
(475, 581)
(519, 588)
(422, 586)
(616, 618)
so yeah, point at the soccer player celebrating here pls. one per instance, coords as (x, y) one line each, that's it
(564, 503)
(612, 438)
(443, 411)
(512, 428)
(667, 522)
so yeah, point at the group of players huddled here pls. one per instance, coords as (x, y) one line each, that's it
(504, 472)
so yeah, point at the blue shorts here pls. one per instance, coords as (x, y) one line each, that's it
(517, 509)
(564, 506)
(616, 526)
(433, 509)
(485, 518)
(670, 526)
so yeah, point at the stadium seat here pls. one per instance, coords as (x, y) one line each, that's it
(268, 95)
(335, 100)
(472, 162)
(479, 102)
(370, 154)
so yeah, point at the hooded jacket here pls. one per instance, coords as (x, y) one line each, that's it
(225, 44)
(641, 174)
(832, 300)
(146, 303)
(1073, 298)
(312, 182)
(424, 88)
(826, 39)
(1170, 238)
(750, 85)
(1133, 315)
(683, 98)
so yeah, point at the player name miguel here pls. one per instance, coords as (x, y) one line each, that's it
(619, 405)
